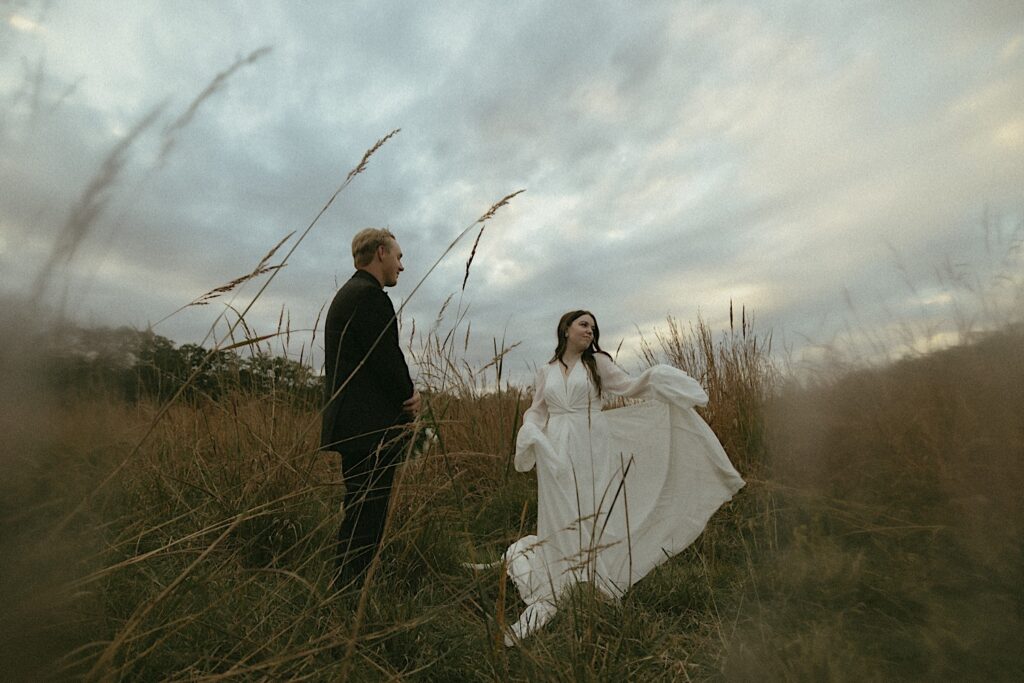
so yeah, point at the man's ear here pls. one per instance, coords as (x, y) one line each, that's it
(382, 251)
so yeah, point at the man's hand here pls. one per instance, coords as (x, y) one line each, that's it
(411, 405)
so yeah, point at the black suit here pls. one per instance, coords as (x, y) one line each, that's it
(367, 380)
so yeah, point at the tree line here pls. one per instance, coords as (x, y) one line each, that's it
(131, 365)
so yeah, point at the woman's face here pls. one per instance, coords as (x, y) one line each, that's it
(580, 333)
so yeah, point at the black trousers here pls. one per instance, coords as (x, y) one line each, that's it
(369, 473)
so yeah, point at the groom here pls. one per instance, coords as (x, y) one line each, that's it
(368, 395)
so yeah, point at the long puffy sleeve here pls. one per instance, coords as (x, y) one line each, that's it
(537, 413)
(660, 382)
(531, 434)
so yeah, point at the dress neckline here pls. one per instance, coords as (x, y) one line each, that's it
(566, 374)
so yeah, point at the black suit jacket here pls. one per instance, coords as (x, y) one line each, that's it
(370, 405)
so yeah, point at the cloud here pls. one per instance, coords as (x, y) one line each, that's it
(676, 156)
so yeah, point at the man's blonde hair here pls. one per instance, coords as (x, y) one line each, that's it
(366, 242)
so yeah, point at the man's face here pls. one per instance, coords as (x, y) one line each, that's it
(391, 263)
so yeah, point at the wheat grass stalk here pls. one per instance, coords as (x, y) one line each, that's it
(261, 269)
(90, 205)
(169, 137)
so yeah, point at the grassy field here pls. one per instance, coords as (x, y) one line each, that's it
(879, 536)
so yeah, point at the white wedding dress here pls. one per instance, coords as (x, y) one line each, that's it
(619, 491)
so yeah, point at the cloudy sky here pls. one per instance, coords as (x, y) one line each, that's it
(821, 163)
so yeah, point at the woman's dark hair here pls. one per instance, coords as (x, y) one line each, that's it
(588, 354)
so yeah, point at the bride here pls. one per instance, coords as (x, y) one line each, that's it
(618, 491)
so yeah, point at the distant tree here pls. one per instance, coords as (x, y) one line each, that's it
(160, 367)
(130, 365)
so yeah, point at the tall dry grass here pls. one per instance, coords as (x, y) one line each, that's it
(736, 370)
(216, 542)
(878, 537)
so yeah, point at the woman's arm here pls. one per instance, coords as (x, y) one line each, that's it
(537, 413)
(531, 434)
(661, 382)
(613, 378)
